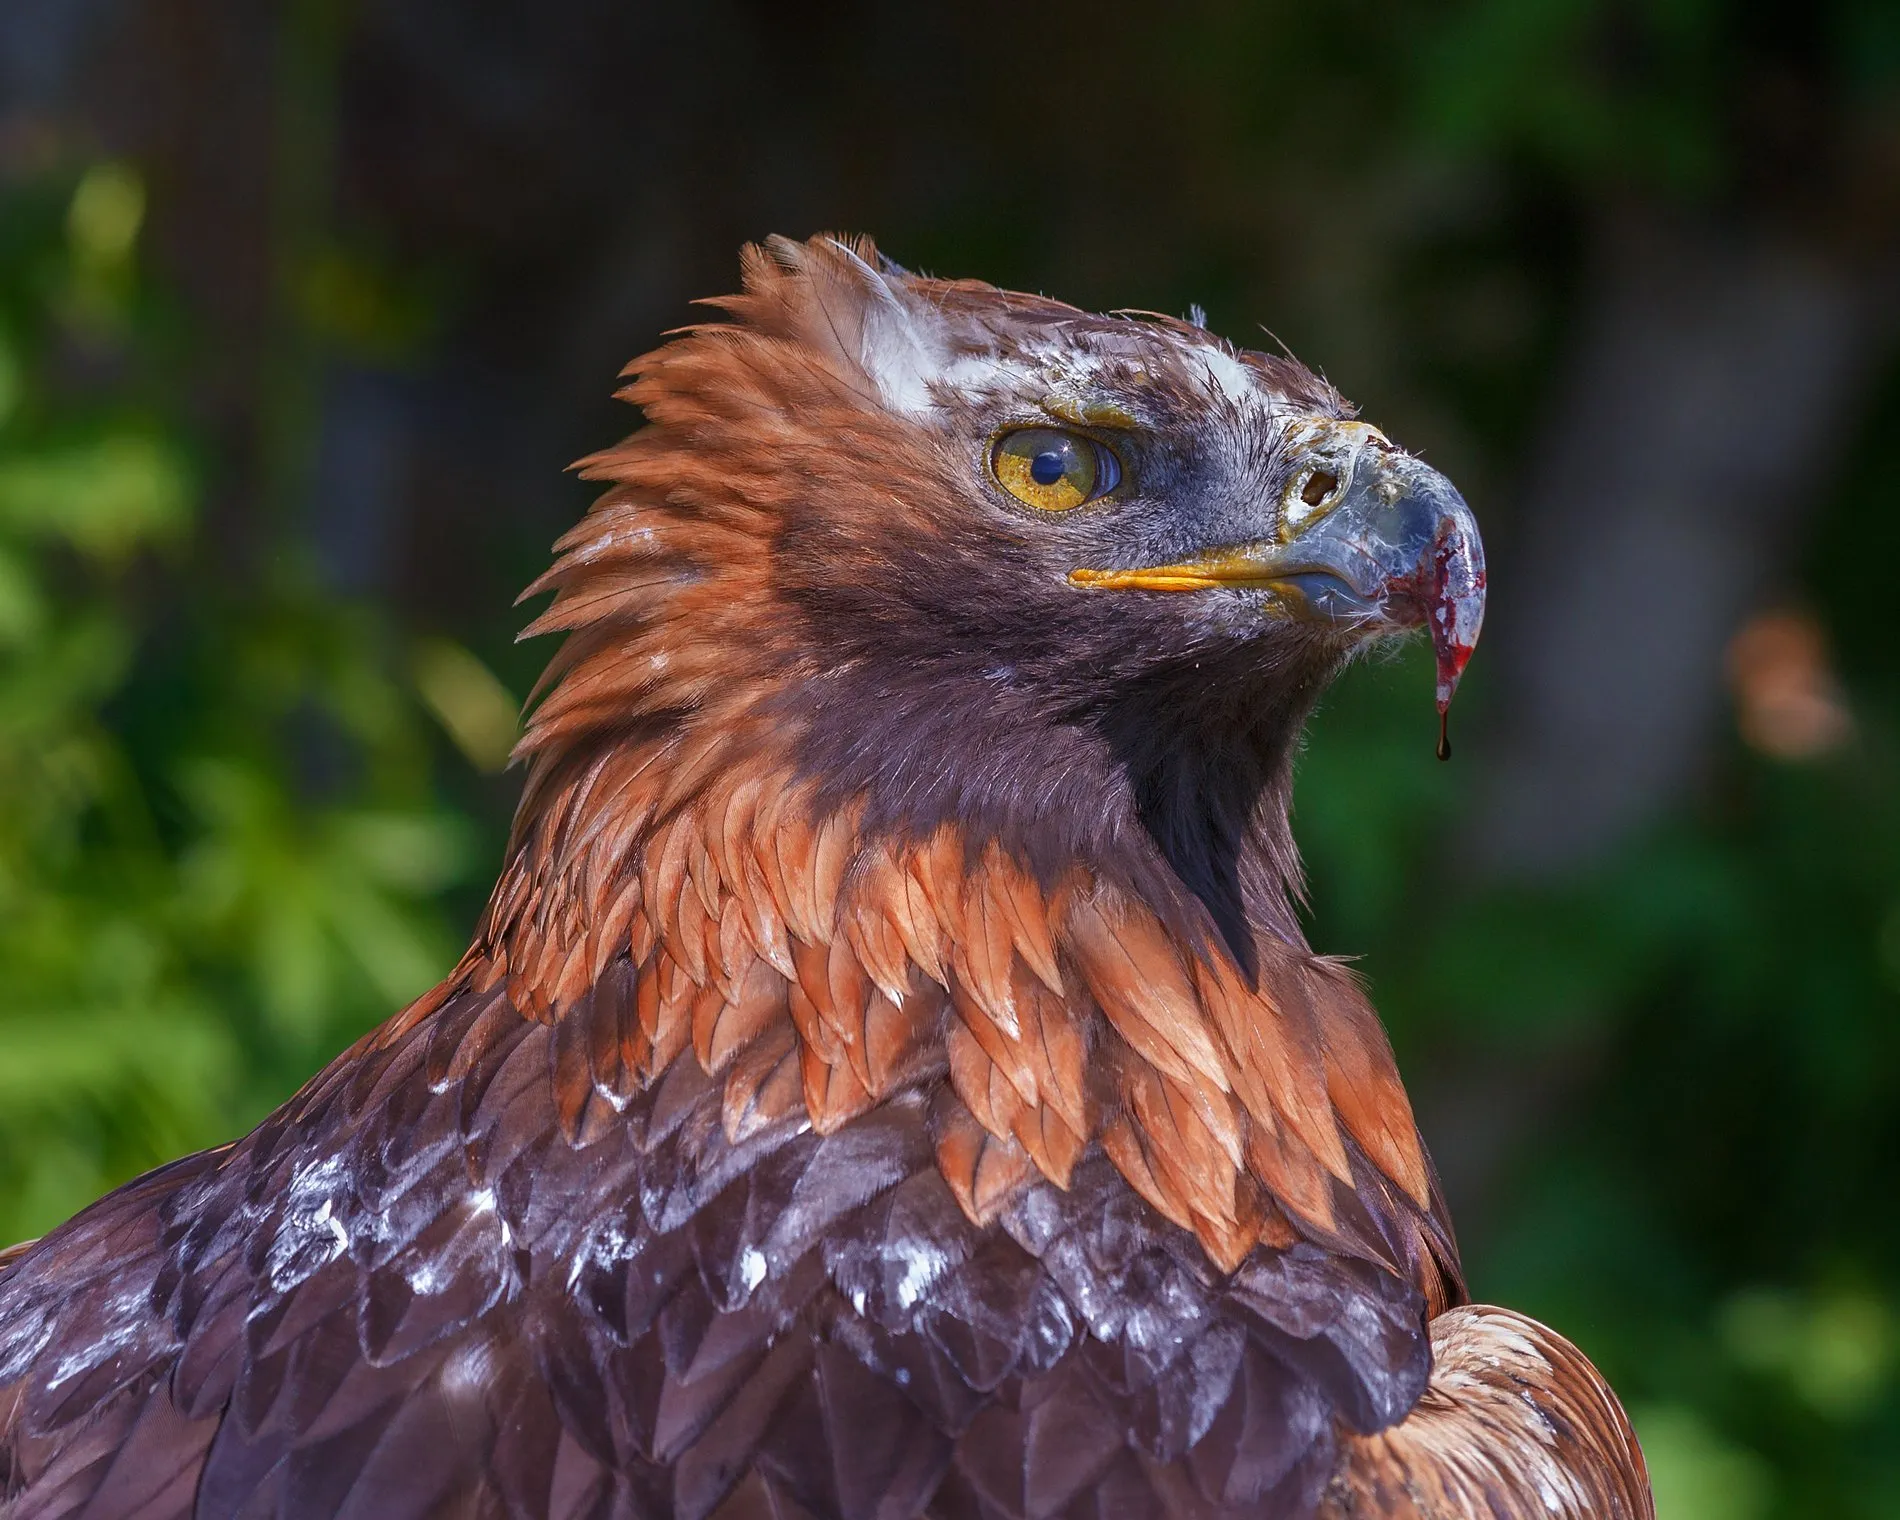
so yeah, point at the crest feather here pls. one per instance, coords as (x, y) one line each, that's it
(847, 304)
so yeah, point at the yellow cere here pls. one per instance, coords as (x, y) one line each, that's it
(1051, 470)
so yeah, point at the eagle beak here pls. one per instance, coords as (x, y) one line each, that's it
(1389, 546)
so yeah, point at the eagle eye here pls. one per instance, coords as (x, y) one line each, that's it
(1054, 471)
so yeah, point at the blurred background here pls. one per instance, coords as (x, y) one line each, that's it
(305, 304)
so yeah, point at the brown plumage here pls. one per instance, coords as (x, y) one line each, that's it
(889, 1078)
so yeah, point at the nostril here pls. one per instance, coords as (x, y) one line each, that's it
(1319, 485)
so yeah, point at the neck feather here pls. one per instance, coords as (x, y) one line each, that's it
(705, 900)
(1079, 935)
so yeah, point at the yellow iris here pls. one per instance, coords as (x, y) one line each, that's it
(1053, 471)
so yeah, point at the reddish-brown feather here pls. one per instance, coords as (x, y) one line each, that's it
(756, 1003)
(786, 847)
(610, 931)
(896, 1041)
(702, 873)
(841, 980)
(815, 1029)
(897, 922)
(1050, 1142)
(764, 1084)
(672, 1018)
(1140, 983)
(878, 944)
(1279, 1051)
(1291, 1173)
(983, 955)
(833, 1093)
(1056, 1050)
(1008, 888)
(831, 848)
(983, 1170)
(970, 1071)
(1127, 1147)
(1183, 1150)
(1364, 1085)
(1002, 1050)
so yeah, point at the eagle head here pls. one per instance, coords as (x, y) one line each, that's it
(1073, 581)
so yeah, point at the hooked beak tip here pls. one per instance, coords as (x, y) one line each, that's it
(1428, 546)
(1455, 605)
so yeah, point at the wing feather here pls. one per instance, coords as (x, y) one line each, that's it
(1515, 1422)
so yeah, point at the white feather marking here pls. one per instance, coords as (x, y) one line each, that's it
(896, 354)
(126, 1315)
(468, 1372)
(923, 1265)
(310, 1234)
(1230, 378)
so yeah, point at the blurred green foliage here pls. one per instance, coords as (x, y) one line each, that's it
(1641, 94)
(223, 851)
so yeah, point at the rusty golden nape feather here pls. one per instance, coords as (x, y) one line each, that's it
(746, 932)
(1059, 1008)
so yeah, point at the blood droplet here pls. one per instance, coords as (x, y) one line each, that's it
(1456, 612)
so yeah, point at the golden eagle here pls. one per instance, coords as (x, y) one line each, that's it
(889, 1078)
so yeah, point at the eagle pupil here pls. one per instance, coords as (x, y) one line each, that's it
(1047, 468)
